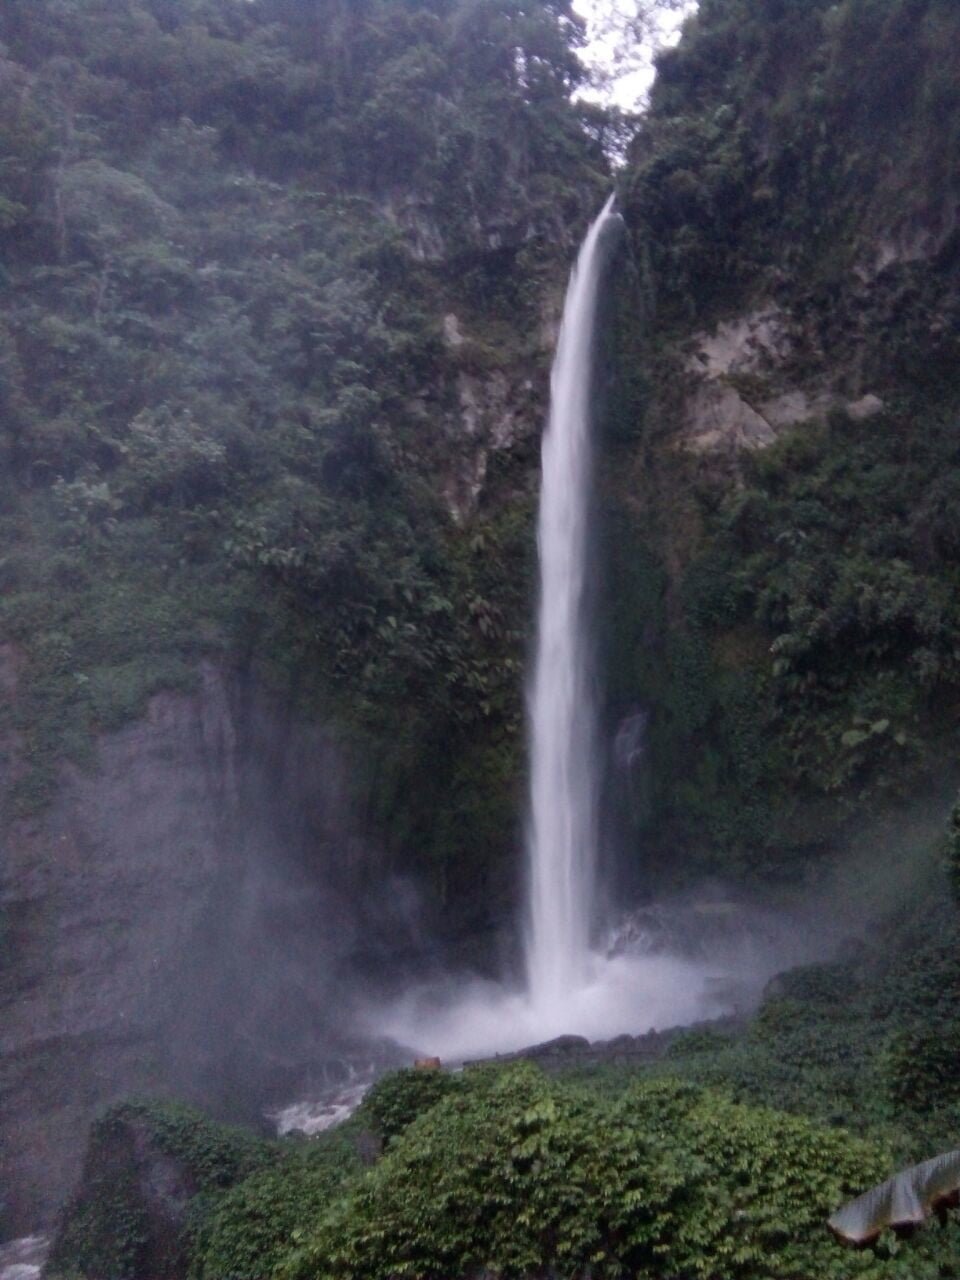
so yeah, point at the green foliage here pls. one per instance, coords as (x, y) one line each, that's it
(782, 136)
(802, 666)
(397, 1099)
(841, 566)
(213, 1155)
(815, 660)
(245, 1233)
(103, 1238)
(721, 1161)
(229, 421)
(921, 1065)
(869, 1042)
(520, 1175)
(110, 1228)
(510, 1175)
(763, 1187)
(697, 1041)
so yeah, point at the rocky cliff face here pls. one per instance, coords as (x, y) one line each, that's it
(499, 408)
(178, 921)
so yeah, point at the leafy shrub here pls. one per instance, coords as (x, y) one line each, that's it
(699, 1040)
(920, 999)
(518, 1175)
(509, 1174)
(248, 1230)
(922, 1065)
(105, 1236)
(762, 1186)
(214, 1155)
(128, 1218)
(397, 1099)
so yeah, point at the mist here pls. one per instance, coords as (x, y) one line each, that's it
(706, 953)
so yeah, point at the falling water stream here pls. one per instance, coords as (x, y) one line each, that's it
(563, 829)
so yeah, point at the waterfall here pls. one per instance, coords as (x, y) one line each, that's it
(563, 826)
(634, 979)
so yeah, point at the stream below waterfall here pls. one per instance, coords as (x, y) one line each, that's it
(23, 1259)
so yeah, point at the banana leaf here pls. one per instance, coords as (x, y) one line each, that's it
(901, 1203)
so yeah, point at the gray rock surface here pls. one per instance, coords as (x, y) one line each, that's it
(165, 928)
(569, 1053)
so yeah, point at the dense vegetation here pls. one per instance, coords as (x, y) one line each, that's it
(111, 1229)
(679, 1169)
(792, 624)
(664, 1180)
(786, 140)
(723, 1159)
(230, 233)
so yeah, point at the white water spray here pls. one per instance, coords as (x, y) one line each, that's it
(563, 832)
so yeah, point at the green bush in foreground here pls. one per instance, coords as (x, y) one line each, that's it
(248, 1230)
(121, 1224)
(507, 1173)
(518, 1175)
(398, 1098)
